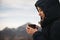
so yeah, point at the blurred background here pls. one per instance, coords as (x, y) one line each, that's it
(14, 13)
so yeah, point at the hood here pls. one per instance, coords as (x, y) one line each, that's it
(51, 10)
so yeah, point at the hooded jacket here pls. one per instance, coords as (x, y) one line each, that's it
(51, 24)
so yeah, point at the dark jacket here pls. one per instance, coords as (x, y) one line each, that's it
(38, 36)
(51, 24)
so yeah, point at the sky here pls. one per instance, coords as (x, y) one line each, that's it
(14, 13)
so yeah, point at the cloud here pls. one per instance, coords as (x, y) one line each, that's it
(17, 3)
(14, 13)
(11, 8)
(22, 11)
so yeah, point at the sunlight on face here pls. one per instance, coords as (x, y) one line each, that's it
(29, 30)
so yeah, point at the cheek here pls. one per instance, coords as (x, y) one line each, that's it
(28, 30)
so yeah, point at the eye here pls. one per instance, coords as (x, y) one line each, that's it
(28, 28)
(39, 9)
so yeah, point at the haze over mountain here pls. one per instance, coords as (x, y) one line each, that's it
(19, 32)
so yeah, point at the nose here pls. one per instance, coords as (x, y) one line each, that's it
(39, 14)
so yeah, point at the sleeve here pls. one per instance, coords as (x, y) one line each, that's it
(55, 31)
(38, 36)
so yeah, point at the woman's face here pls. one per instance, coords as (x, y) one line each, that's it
(29, 30)
(41, 13)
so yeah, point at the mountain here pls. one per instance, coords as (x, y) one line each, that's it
(21, 31)
(17, 34)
